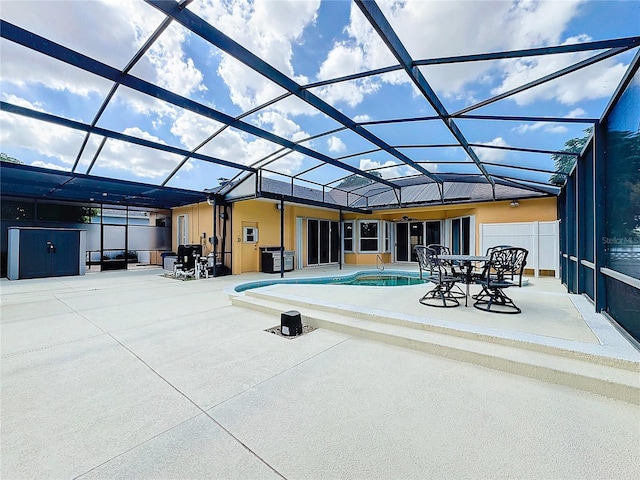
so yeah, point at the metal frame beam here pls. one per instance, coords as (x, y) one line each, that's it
(65, 122)
(215, 37)
(40, 44)
(313, 203)
(547, 78)
(382, 26)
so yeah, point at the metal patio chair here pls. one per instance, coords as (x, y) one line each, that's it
(450, 267)
(444, 280)
(480, 272)
(504, 270)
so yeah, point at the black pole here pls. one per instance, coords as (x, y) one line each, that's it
(126, 238)
(225, 217)
(214, 240)
(340, 242)
(281, 238)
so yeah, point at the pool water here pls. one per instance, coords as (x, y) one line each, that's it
(369, 279)
(382, 281)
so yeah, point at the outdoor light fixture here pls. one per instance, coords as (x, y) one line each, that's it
(514, 203)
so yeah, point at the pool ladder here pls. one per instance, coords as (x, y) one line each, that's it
(379, 263)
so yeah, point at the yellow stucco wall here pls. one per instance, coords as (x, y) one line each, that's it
(529, 210)
(532, 210)
(266, 217)
(200, 221)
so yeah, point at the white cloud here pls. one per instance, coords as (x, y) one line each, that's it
(51, 166)
(42, 138)
(142, 104)
(281, 125)
(137, 132)
(596, 81)
(193, 129)
(173, 69)
(549, 127)
(116, 30)
(576, 113)
(392, 170)
(25, 68)
(230, 144)
(288, 165)
(361, 118)
(425, 28)
(139, 161)
(491, 154)
(268, 29)
(21, 102)
(544, 126)
(336, 145)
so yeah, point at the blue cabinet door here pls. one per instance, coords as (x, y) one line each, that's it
(49, 253)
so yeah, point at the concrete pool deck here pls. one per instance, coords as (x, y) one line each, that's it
(133, 375)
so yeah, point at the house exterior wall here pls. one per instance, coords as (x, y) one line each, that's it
(265, 216)
(529, 210)
(200, 221)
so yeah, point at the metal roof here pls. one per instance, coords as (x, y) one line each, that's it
(152, 101)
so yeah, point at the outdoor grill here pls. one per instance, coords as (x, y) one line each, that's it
(271, 258)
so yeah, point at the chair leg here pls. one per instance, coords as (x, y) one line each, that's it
(440, 297)
(496, 301)
(458, 292)
(484, 294)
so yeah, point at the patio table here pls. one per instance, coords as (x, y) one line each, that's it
(467, 261)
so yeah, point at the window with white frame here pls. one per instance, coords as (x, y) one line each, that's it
(347, 236)
(183, 230)
(369, 236)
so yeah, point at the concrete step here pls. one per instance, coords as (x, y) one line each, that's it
(510, 339)
(588, 373)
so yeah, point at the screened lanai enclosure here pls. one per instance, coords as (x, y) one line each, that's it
(126, 109)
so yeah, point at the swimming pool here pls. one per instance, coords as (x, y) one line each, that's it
(373, 278)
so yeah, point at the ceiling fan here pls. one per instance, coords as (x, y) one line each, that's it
(404, 218)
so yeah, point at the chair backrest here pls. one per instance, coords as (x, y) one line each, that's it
(490, 250)
(421, 255)
(442, 250)
(428, 259)
(507, 262)
(439, 249)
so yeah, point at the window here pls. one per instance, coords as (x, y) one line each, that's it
(368, 236)
(183, 230)
(347, 235)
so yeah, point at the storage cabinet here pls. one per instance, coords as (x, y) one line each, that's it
(45, 252)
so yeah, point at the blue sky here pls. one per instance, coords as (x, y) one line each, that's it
(308, 41)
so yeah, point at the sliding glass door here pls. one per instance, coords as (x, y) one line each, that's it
(461, 236)
(410, 234)
(323, 242)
